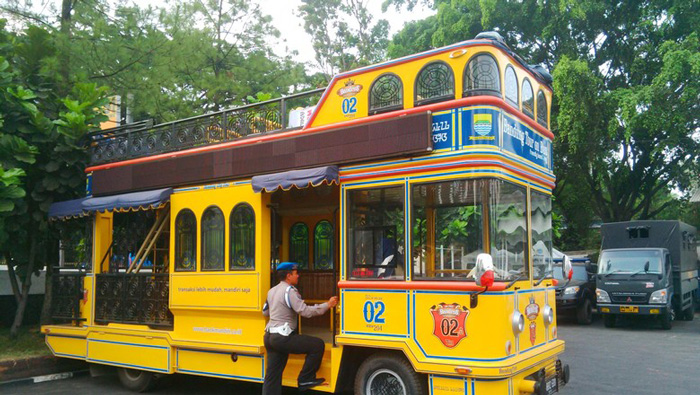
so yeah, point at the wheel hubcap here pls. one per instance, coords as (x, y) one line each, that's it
(385, 382)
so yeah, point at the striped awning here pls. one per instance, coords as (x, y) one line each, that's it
(135, 201)
(296, 178)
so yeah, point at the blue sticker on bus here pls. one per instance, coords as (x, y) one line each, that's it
(480, 126)
(442, 131)
(526, 143)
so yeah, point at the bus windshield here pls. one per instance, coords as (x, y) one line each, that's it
(629, 261)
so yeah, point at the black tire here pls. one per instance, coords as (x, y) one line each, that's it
(667, 319)
(689, 313)
(584, 313)
(388, 370)
(609, 320)
(137, 380)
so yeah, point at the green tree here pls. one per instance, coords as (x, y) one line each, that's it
(44, 133)
(344, 34)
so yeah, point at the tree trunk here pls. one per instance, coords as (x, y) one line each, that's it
(66, 24)
(53, 257)
(13, 279)
(26, 284)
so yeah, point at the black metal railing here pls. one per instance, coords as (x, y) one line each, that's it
(67, 292)
(140, 298)
(143, 139)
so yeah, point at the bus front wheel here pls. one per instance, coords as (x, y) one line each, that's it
(137, 380)
(387, 373)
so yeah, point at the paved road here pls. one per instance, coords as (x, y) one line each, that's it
(636, 358)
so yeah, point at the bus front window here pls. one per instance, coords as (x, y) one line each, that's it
(449, 228)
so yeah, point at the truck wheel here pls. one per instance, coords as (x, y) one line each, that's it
(386, 373)
(584, 313)
(667, 319)
(137, 380)
(609, 320)
(689, 313)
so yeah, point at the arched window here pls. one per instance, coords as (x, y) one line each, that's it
(242, 238)
(481, 76)
(185, 241)
(510, 80)
(434, 83)
(213, 239)
(386, 94)
(323, 245)
(299, 245)
(528, 99)
(542, 109)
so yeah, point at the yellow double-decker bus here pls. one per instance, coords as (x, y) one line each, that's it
(385, 188)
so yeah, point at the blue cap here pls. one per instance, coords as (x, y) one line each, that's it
(287, 266)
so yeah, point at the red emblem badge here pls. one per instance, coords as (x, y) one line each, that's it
(450, 323)
(531, 312)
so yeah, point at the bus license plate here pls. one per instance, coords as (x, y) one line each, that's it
(552, 385)
(629, 309)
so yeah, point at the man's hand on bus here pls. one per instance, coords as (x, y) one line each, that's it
(333, 301)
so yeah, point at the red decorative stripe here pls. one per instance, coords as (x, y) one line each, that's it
(448, 167)
(419, 285)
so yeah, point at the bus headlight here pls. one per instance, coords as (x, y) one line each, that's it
(602, 296)
(548, 315)
(659, 297)
(518, 322)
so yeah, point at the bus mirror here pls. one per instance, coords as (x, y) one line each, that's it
(567, 271)
(484, 276)
(484, 270)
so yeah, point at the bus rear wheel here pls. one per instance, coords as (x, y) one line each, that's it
(137, 380)
(387, 373)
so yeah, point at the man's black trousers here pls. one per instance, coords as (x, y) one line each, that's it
(278, 349)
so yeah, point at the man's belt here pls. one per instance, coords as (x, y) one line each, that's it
(284, 330)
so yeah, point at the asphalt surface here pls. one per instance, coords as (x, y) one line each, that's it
(635, 358)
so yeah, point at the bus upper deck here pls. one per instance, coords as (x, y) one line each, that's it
(386, 192)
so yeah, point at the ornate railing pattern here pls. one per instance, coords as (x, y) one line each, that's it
(143, 139)
(67, 291)
(140, 298)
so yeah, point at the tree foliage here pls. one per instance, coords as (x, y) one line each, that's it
(344, 34)
(42, 141)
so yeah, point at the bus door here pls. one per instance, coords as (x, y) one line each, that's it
(307, 234)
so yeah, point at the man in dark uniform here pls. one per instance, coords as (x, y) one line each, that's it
(283, 306)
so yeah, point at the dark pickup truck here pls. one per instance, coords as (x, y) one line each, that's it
(578, 296)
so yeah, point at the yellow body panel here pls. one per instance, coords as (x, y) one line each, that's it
(137, 352)
(67, 346)
(220, 364)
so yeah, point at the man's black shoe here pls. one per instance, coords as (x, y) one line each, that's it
(308, 384)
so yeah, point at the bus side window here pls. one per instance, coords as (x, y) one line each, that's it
(186, 241)
(242, 238)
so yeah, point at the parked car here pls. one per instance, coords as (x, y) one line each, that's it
(578, 296)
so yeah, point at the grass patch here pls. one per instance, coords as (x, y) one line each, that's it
(29, 343)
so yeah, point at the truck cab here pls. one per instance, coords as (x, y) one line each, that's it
(648, 273)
